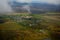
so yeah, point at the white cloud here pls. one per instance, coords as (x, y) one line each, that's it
(48, 1)
(27, 1)
(52, 1)
(4, 7)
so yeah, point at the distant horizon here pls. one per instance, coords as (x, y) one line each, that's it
(5, 7)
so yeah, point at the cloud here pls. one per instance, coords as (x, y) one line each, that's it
(27, 1)
(25, 7)
(48, 1)
(4, 7)
(43, 1)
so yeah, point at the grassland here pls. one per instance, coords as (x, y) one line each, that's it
(12, 30)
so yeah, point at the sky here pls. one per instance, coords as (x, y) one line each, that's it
(28, 1)
(41, 1)
(48, 1)
(4, 7)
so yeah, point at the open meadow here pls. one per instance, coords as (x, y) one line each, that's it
(29, 26)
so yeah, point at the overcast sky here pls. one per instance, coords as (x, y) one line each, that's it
(43, 1)
(48, 1)
(28, 1)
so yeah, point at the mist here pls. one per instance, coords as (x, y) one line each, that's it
(27, 8)
(5, 7)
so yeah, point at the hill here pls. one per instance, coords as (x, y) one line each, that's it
(35, 7)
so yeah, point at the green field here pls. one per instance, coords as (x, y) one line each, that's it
(38, 27)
